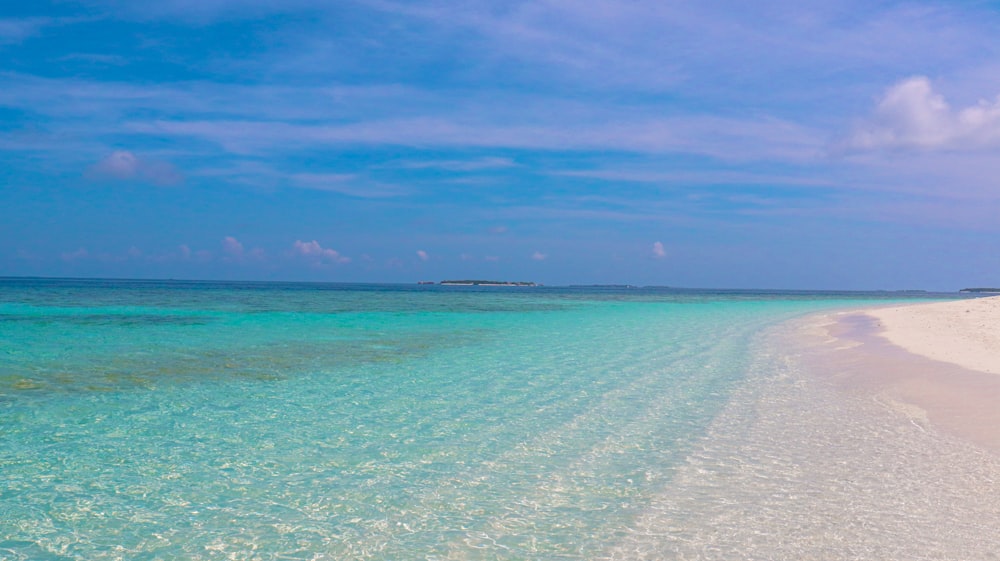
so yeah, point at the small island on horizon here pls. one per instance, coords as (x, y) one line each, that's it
(481, 283)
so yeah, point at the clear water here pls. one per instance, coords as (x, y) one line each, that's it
(179, 420)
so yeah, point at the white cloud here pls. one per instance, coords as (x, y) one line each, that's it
(539, 256)
(317, 253)
(126, 166)
(423, 255)
(120, 164)
(658, 251)
(232, 246)
(912, 115)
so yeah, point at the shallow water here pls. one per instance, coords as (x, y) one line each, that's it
(800, 466)
(162, 420)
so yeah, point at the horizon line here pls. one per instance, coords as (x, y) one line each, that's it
(437, 283)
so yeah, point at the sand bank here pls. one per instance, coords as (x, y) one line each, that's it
(964, 332)
(938, 363)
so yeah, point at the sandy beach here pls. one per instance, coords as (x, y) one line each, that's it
(938, 362)
(966, 332)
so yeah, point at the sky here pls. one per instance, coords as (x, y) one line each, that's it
(717, 144)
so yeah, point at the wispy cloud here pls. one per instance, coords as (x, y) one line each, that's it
(259, 174)
(660, 175)
(539, 256)
(728, 139)
(95, 100)
(95, 58)
(723, 47)
(202, 12)
(80, 253)
(659, 252)
(234, 251)
(461, 165)
(16, 30)
(132, 254)
(346, 184)
(183, 253)
(423, 255)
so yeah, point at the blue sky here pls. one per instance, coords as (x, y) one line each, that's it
(850, 145)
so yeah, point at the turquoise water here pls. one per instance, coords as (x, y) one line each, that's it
(182, 420)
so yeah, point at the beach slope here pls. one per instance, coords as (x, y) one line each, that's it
(964, 332)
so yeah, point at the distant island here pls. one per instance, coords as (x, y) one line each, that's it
(482, 283)
(980, 290)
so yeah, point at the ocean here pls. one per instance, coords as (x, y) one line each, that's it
(147, 420)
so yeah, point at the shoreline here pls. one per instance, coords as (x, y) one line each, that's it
(839, 445)
(962, 332)
(936, 363)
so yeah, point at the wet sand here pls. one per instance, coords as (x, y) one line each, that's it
(937, 363)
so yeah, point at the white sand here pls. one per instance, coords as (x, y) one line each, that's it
(963, 332)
